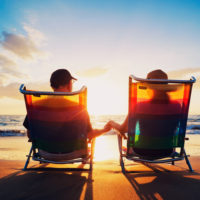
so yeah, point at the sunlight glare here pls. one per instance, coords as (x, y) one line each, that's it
(105, 98)
(106, 148)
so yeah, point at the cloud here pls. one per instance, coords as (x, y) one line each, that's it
(8, 69)
(18, 54)
(12, 90)
(186, 74)
(20, 45)
(35, 35)
(19, 50)
(6, 62)
(93, 72)
(39, 86)
(3, 78)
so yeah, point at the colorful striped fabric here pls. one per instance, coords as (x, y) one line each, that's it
(58, 123)
(157, 115)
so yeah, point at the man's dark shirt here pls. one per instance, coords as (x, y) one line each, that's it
(88, 125)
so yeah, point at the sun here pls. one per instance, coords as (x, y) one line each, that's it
(104, 99)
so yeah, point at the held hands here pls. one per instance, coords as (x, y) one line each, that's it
(107, 127)
(114, 125)
(117, 127)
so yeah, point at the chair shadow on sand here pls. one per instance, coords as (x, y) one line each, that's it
(161, 183)
(48, 183)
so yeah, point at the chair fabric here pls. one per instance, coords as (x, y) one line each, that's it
(157, 116)
(58, 123)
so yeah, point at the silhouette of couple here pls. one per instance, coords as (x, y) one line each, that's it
(62, 81)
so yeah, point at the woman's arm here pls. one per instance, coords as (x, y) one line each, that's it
(97, 132)
(122, 128)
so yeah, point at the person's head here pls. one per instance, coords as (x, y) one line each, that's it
(61, 80)
(157, 74)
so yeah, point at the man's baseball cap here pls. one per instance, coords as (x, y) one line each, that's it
(60, 77)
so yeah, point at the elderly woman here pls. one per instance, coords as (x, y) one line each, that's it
(161, 98)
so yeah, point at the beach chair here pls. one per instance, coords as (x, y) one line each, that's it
(58, 127)
(157, 120)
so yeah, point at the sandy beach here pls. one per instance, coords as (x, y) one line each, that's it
(105, 181)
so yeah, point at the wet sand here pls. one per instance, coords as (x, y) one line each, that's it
(48, 181)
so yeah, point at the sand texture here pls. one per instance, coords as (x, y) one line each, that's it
(74, 181)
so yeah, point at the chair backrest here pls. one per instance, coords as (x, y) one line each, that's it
(57, 120)
(158, 112)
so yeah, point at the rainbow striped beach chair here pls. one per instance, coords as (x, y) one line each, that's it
(58, 127)
(157, 120)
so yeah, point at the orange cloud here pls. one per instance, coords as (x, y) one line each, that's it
(12, 90)
(3, 78)
(186, 74)
(183, 72)
(93, 72)
(6, 62)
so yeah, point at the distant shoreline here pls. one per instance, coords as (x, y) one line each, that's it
(12, 125)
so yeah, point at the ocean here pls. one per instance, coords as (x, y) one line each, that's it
(12, 125)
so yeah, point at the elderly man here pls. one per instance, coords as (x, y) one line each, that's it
(62, 81)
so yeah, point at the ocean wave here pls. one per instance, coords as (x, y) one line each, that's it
(193, 132)
(4, 133)
(12, 125)
(193, 127)
(3, 124)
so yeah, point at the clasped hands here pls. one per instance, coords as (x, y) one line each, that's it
(113, 125)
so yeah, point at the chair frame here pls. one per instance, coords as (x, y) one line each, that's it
(174, 156)
(33, 153)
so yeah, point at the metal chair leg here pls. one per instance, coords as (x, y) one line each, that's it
(174, 150)
(92, 153)
(173, 161)
(120, 144)
(187, 161)
(28, 159)
(120, 154)
(122, 165)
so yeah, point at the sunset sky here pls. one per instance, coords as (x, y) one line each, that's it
(100, 42)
